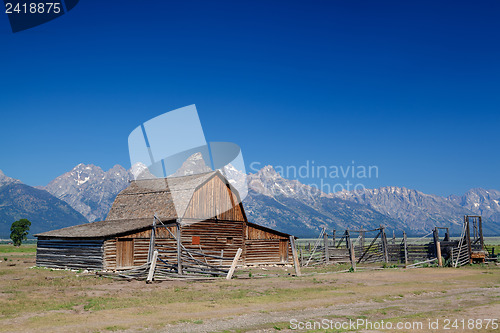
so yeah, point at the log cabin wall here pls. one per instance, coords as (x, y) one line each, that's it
(117, 249)
(265, 247)
(70, 253)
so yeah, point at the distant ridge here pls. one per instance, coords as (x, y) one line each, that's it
(18, 200)
(292, 207)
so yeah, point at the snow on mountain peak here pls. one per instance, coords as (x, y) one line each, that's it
(90, 190)
(193, 165)
(5, 180)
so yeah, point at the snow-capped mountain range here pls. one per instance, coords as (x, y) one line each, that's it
(291, 206)
(398, 208)
(90, 190)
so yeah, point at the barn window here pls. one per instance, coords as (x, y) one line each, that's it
(229, 240)
(196, 240)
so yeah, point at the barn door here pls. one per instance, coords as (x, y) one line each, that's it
(124, 252)
(283, 250)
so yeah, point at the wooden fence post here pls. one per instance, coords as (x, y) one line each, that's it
(334, 232)
(438, 253)
(467, 237)
(325, 243)
(352, 255)
(384, 245)
(179, 249)
(435, 235)
(405, 245)
(295, 257)
(233, 265)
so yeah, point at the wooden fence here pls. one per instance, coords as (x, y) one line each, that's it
(355, 248)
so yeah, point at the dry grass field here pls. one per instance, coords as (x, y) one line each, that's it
(44, 300)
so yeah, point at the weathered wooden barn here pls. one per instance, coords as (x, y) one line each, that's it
(206, 216)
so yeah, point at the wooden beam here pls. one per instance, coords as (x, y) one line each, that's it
(435, 235)
(295, 257)
(152, 267)
(384, 244)
(481, 232)
(325, 243)
(422, 262)
(438, 253)
(233, 265)
(152, 240)
(179, 249)
(467, 237)
(352, 255)
(405, 245)
(347, 239)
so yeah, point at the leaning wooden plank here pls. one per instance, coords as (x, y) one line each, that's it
(423, 262)
(295, 257)
(352, 255)
(233, 265)
(152, 267)
(179, 250)
(438, 253)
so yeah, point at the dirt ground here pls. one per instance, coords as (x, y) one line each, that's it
(258, 300)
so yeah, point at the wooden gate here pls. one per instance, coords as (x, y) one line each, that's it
(124, 252)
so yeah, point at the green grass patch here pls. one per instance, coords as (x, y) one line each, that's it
(115, 328)
(27, 248)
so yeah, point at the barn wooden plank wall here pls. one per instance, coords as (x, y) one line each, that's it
(253, 232)
(140, 246)
(214, 237)
(268, 251)
(214, 199)
(70, 253)
(264, 247)
(110, 253)
(211, 237)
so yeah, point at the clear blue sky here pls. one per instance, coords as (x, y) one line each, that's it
(412, 87)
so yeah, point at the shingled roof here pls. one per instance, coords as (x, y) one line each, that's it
(134, 207)
(168, 198)
(99, 229)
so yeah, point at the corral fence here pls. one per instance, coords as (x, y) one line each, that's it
(322, 251)
(372, 246)
(358, 246)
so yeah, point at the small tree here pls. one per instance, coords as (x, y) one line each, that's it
(19, 230)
